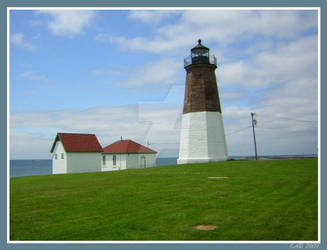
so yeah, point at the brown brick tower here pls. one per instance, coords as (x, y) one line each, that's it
(202, 132)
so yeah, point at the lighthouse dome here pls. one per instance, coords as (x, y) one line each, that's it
(200, 55)
(199, 47)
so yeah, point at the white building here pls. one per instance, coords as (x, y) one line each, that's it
(127, 154)
(76, 153)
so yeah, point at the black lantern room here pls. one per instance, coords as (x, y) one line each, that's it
(200, 55)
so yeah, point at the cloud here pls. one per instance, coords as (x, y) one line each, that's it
(33, 76)
(232, 97)
(163, 72)
(283, 128)
(38, 148)
(210, 25)
(18, 40)
(157, 45)
(287, 124)
(281, 87)
(267, 65)
(289, 61)
(69, 22)
(108, 123)
(150, 16)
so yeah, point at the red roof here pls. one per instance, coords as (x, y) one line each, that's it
(126, 146)
(78, 142)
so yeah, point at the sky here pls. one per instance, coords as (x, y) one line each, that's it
(120, 73)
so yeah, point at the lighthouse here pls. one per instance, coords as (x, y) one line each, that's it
(202, 136)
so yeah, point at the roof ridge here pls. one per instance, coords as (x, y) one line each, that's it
(78, 142)
(127, 146)
(75, 133)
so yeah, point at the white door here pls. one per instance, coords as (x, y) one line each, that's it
(143, 162)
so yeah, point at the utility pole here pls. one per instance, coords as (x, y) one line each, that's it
(254, 123)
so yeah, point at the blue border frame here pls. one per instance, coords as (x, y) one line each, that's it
(147, 3)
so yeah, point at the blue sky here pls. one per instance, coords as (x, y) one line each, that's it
(120, 73)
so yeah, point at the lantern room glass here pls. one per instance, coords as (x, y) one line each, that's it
(200, 52)
(200, 55)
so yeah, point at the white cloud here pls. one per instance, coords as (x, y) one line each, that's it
(33, 76)
(281, 87)
(165, 72)
(37, 148)
(287, 124)
(214, 26)
(18, 40)
(133, 122)
(157, 45)
(295, 60)
(276, 79)
(236, 74)
(281, 23)
(69, 22)
(232, 96)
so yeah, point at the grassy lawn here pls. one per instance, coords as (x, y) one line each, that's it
(261, 200)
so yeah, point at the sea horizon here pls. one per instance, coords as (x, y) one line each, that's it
(229, 157)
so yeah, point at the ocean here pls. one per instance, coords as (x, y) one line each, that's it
(44, 167)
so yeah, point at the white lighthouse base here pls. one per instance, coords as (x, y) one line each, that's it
(202, 138)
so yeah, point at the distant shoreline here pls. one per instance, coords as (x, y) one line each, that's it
(273, 157)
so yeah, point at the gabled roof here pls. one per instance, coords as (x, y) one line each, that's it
(78, 142)
(126, 146)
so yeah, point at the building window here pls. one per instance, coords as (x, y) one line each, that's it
(62, 155)
(104, 160)
(56, 157)
(114, 160)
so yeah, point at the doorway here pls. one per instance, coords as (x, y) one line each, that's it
(143, 162)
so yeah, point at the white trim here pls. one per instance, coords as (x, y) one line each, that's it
(163, 8)
(8, 124)
(165, 242)
(319, 127)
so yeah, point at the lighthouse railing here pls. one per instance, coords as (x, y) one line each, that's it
(189, 60)
(213, 60)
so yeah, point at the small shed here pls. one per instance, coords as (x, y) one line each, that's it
(76, 153)
(127, 154)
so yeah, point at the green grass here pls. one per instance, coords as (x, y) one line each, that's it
(261, 200)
